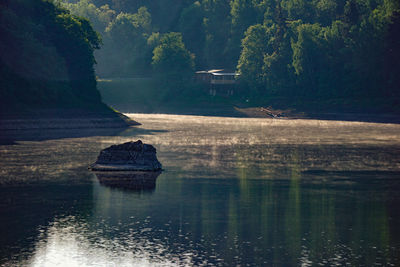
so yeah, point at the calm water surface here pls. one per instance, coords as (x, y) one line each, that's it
(235, 192)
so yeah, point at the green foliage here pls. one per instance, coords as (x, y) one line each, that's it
(294, 49)
(127, 26)
(244, 14)
(256, 46)
(171, 59)
(336, 50)
(216, 24)
(392, 55)
(173, 66)
(125, 50)
(100, 17)
(46, 56)
(193, 32)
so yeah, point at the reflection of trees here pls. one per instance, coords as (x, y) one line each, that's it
(129, 180)
(277, 161)
(293, 213)
(288, 221)
(293, 221)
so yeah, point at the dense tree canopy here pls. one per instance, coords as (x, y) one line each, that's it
(125, 44)
(173, 64)
(46, 56)
(315, 49)
(171, 57)
(324, 50)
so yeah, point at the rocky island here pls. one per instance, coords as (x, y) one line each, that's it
(130, 156)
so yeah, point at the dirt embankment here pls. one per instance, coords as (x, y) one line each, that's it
(64, 119)
(269, 112)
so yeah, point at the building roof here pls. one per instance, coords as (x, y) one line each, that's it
(225, 74)
(217, 72)
(210, 71)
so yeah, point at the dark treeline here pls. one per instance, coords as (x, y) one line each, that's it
(295, 50)
(324, 50)
(298, 49)
(46, 57)
(131, 30)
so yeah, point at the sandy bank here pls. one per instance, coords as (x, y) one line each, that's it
(268, 112)
(71, 119)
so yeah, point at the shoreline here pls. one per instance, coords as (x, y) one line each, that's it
(65, 119)
(262, 112)
(116, 120)
(59, 124)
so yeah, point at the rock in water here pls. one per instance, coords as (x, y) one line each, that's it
(130, 156)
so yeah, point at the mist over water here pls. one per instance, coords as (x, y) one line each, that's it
(235, 191)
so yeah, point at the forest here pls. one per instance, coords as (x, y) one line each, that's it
(46, 58)
(318, 52)
(297, 50)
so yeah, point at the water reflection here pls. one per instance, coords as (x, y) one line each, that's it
(132, 180)
(26, 211)
(72, 241)
(235, 192)
(256, 223)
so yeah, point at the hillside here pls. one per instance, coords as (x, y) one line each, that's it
(312, 55)
(46, 63)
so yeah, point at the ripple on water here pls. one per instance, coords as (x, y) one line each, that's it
(283, 192)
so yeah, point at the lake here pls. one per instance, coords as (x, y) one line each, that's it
(234, 192)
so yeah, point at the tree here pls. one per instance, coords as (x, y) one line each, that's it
(99, 17)
(125, 45)
(298, 9)
(76, 40)
(55, 50)
(217, 22)
(392, 55)
(255, 46)
(243, 14)
(127, 26)
(289, 48)
(172, 62)
(171, 56)
(326, 11)
(193, 32)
